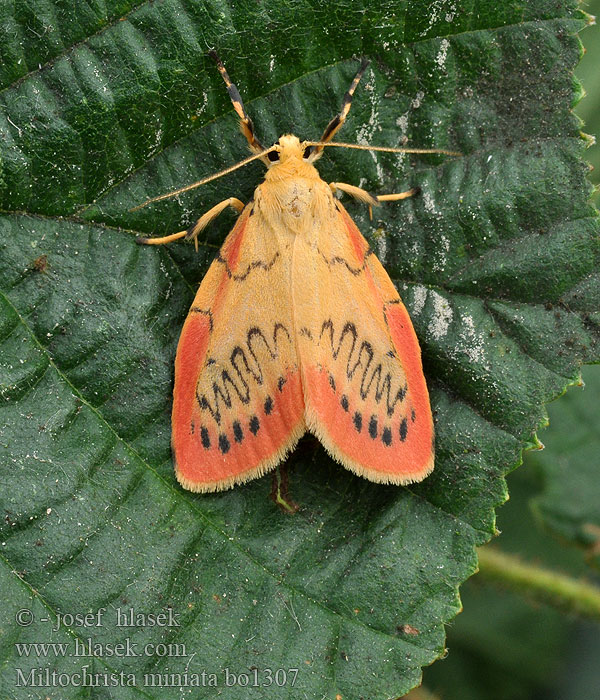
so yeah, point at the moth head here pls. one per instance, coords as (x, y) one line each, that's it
(290, 147)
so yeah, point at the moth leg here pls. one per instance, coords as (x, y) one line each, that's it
(246, 124)
(338, 121)
(200, 225)
(356, 192)
(159, 241)
(368, 198)
(398, 195)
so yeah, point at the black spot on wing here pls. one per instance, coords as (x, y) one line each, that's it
(238, 433)
(254, 425)
(357, 419)
(344, 402)
(224, 443)
(386, 437)
(403, 429)
(373, 427)
(268, 405)
(280, 383)
(204, 436)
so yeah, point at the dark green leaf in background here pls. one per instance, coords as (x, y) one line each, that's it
(497, 260)
(502, 647)
(570, 500)
(588, 74)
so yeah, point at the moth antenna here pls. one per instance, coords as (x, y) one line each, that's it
(385, 149)
(204, 180)
(246, 125)
(338, 121)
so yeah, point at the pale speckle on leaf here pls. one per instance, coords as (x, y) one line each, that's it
(442, 316)
(441, 254)
(442, 54)
(420, 295)
(474, 346)
(365, 134)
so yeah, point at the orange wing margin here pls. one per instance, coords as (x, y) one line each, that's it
(237, 401)
(365, 393)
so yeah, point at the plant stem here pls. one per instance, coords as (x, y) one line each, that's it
(541, 584)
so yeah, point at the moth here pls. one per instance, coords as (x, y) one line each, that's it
(297, 327)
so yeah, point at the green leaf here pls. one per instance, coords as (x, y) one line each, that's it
(496, 259)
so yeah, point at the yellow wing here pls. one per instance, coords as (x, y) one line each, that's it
(364, 391)
(237, 402)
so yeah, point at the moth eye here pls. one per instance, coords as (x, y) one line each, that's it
(273, 156)
(307, 151)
